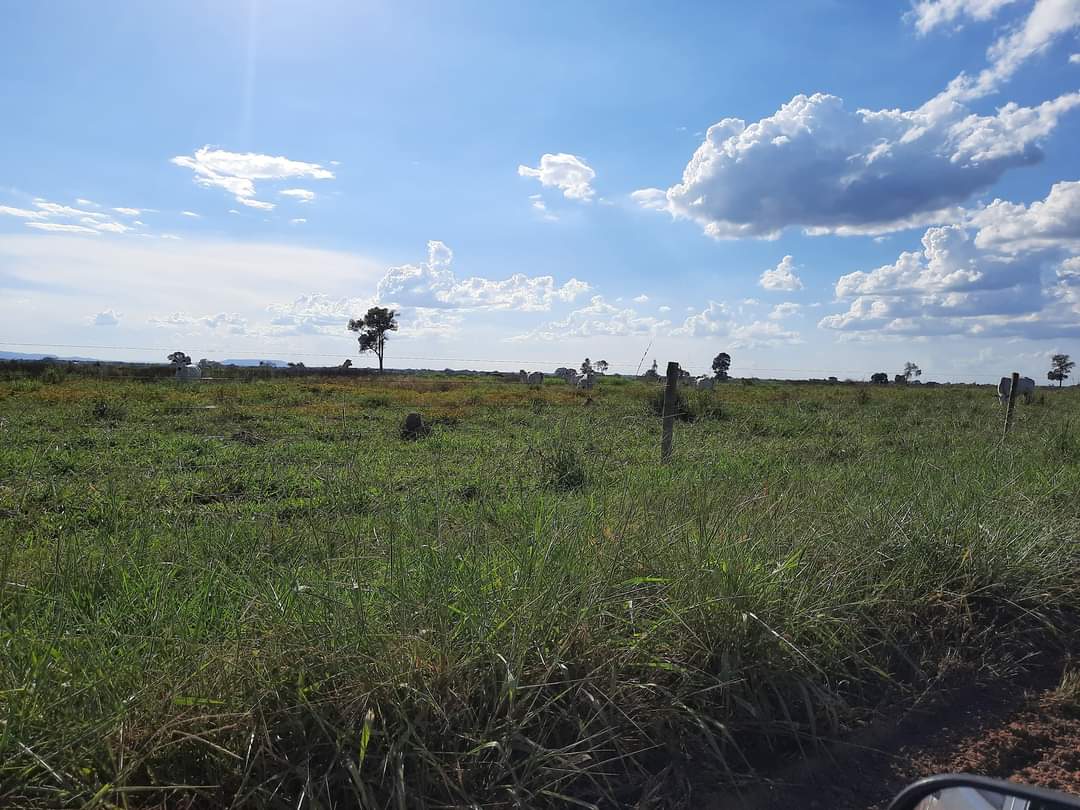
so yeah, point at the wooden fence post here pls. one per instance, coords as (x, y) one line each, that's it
(1012, 403)
(671, 400)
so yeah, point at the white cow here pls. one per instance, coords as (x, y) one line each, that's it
(704, 383)
(1025, 387)
(188, 373)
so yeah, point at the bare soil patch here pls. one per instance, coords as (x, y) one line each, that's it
(1026, 730)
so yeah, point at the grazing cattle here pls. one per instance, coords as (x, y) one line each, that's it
(535, 379)
(1025, 387)
(704, 383)
(188, 373)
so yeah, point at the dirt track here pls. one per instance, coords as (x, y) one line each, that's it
(1028, 732)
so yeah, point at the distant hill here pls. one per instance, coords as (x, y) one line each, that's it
(248, 362)
(275, 363)
(36, 356)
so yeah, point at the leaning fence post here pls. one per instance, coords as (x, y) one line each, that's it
(1012, 402)
(670, 404)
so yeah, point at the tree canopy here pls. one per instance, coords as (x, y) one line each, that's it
(1060, 367)
(721, 364)
(372, 329)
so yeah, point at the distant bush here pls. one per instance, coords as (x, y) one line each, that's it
(53, 374)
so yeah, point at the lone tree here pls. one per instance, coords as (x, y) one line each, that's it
(910, 369)
(180, 359)
(1061, 365)
(602, 366)
(373, 328)
(720, 365)
(879, 378)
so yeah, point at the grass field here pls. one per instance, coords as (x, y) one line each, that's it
(260, 594)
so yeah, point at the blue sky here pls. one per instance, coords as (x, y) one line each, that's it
(510, 176)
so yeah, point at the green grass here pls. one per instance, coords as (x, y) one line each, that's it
(259, 594)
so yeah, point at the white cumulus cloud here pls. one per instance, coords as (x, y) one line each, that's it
(1014, 228)
(106, 317)
(781, 278)
(598, 318)
(784, 310)
(316, 314)
(568, 173)
(433, 284)
(1007, 271)
(816, 164)
(717, 320)
(229, 322)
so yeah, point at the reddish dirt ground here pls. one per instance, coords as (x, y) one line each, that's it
(1027, 732)
(1038, 745)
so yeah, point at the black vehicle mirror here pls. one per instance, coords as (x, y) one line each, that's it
(960, 792)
